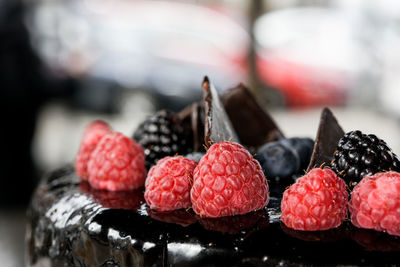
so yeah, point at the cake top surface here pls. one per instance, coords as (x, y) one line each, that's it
(67, 210)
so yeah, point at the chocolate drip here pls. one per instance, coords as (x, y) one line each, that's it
(328, 136)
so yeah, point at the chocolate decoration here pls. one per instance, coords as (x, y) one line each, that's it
(193, 120)
(217, 125)
(70, 226)
(252, 123)
(328, 136)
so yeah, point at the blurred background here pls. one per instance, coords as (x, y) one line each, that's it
(64, 63)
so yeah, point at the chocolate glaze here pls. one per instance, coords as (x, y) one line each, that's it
(252, 123)
(328, 136)
(70, 224)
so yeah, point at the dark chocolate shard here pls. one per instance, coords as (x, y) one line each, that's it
(217, 125)
(252, 123)
(328, 136)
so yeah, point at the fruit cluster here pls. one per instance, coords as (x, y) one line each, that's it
(227, 180)
(318, 200)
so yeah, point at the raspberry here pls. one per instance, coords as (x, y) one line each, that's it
(168, 184)
(228, 181)
(317, 201)
(92, 135)
(375, 203)
(117, 164)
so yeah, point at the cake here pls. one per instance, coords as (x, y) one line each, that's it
(72, 224)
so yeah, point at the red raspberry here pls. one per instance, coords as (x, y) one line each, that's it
(117, 164)
(375, 203)
(317, 201)
(92, 135)
(228, 181)
(168, 184)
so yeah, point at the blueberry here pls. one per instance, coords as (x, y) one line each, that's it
(278, 160)
(196, 156)
(304, 148)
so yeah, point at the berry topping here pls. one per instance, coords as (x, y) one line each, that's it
(228, 181)
(117, 164)
(358, 155)
(92, 135)
(162, 135)
(375, 203)
(317, 201)
(168, 184)
(286, 157)
(278, 160)
(303, 147)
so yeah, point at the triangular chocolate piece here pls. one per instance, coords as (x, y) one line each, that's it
(252, 123)
(328, 136)
(217, 126)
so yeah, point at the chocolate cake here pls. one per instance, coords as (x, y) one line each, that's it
(72, 224)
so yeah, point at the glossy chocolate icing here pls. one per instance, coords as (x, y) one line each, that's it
(71, 224)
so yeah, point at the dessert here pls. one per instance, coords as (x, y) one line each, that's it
(70, 223)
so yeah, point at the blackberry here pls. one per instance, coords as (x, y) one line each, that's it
(162, 135)
(358, 155)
